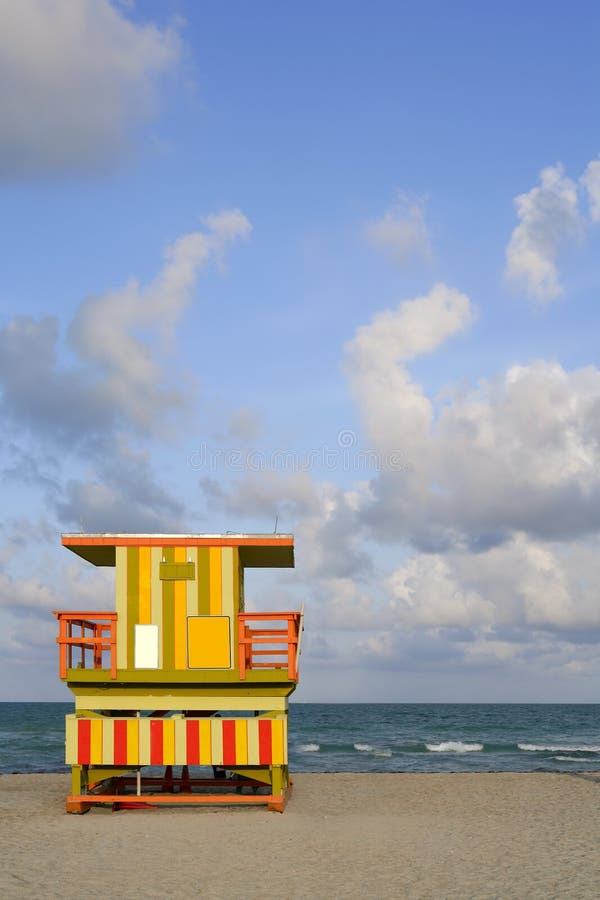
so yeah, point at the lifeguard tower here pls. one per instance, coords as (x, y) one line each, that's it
(179, 675)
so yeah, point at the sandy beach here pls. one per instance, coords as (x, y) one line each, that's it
(343, 835)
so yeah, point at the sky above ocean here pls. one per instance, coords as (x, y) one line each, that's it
(323, 268)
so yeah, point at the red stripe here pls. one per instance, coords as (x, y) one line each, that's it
(192, 731)
(264, 741)
(84, 728)
(228, 743)
(156, 742)
(120, 741)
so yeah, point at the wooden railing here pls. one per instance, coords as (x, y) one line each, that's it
(97, 632)
(262, 647)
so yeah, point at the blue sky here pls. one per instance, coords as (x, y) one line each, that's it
(326, 233)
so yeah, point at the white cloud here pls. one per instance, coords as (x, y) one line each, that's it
(105, 331)
(395, 411)
(75, 79)
(401, 232)
(590, 181)
(119, 338)
(549, 215)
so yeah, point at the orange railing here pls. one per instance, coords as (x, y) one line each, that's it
(256, 643)
(97, 632)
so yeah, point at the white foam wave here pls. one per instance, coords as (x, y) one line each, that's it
(558, 748)
(382, 752)
(454, 747)
(568, 758)
(309, 748)
(363, 748)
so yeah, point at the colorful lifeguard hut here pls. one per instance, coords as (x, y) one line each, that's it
(179, 675)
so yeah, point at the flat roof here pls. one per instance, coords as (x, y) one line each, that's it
(256, 550)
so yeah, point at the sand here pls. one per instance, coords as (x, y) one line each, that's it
(344, 835)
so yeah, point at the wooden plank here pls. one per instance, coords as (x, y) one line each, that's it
(229, 755)
(265, 752)
(191, 586)
(214, 557)
(168, 616)
(145, 593)
(71, 741)
(209, 642)
(144, 740)
(192, 736)
(253, 747)
(121, 605)
(133, 599)
(156, 601)
(241, 742)
(180, 741)
(277, 743)
(203, 581)
(96, 742)
(204, 731)
(83, 741)
(108, 738)
(176, 701)
(120, 742)
(216, 741)
(133, 744)
(156, 742)
(168, 742)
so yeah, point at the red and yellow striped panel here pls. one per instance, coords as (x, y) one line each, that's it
(176, 741)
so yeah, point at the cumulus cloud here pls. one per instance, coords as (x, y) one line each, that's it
(401, 233)
(548, 217)
(395, 411)
(590, 181)
(119, 339)
(75, 81)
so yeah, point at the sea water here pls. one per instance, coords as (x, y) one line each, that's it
(371, 737)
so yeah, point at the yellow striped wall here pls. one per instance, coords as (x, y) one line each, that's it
(181, 741)
(143, 598)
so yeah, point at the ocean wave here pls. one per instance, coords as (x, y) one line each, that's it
(454, 747)
(568, 758)
(560, 748)
(363, 748)
(385, 753)
(309, 748)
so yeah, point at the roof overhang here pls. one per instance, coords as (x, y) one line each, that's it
(269, 551)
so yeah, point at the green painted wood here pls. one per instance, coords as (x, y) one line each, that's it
(177, 571)
(168, 599)
(133, 599)
(203, 582)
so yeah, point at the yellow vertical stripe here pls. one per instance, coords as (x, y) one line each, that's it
(133, 743)
(108, 742)
(144, 741)
(180, 610)
(96, 742)
(253, 755)
(145, 614)
(277, 742)
(214, 558)
(241, 742)
(205, 747)
(180, 742)
(121, 605)
(168, 742)
(227, 607)
(156, 597)
(216, 740)
(191, 586)
(236, 579)
(71, 740)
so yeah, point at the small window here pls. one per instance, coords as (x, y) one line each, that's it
(146, 647)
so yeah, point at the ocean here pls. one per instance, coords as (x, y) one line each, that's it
(371, 737)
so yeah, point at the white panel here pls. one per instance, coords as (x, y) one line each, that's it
(146, 647)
